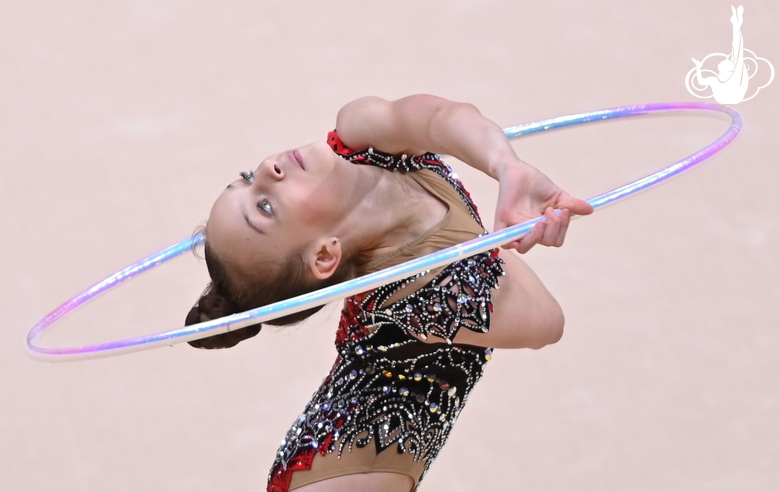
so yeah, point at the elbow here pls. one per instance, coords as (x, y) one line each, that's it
(445, 114)
(551, 329)
(450, 110)
(556, 328)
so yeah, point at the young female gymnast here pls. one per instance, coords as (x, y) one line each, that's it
(731, 84)
(409, 352)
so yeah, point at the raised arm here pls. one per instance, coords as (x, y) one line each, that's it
(420, 123)
(425, 123)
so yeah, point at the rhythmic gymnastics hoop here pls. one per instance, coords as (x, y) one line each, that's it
(368, 282)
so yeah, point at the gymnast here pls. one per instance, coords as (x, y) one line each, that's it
(374, 195)
(731, 84)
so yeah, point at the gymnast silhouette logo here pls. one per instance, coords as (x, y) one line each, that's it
(730, 84)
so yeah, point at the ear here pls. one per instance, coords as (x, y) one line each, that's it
(324, 258)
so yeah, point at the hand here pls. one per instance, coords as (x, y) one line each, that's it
(524, 193)
(697, 62)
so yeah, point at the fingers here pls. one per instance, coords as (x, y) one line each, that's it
(565, 218)
(550, 232)
(555, 230)
(556, 225)
(525, 243)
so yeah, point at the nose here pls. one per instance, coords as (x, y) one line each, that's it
(271, 169)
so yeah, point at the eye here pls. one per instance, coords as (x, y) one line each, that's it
(249, 177)
(265, 207)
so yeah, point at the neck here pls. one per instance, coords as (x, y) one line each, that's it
(389, 212)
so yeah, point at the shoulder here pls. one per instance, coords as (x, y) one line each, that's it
(376, 122)
(387, 160)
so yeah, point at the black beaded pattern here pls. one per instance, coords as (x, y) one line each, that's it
(458, 296)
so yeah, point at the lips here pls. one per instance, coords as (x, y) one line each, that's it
(295, 156)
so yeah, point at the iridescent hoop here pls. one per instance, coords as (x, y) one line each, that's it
(368, 282)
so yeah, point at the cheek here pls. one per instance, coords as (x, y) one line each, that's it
(323, 204)
(315, 211)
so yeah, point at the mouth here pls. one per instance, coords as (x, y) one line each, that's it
(295, 156)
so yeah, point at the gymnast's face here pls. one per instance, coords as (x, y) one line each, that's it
(292, 203)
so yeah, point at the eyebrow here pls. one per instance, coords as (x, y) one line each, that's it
(249, 222)
(246, 215)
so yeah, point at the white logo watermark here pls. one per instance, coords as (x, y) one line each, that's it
(730, 84)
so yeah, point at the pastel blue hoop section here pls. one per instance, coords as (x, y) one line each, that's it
(368, 282)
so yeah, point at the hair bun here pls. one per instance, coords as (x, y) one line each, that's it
(212, 306)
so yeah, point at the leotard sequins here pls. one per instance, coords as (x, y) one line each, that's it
(388, 388)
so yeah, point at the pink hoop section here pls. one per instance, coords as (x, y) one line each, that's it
(368, 282)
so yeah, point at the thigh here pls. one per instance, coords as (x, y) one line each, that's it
(362, 482)
(360, 469)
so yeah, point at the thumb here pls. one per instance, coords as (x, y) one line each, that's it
(575, 205)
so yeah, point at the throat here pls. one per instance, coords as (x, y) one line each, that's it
(406, 210)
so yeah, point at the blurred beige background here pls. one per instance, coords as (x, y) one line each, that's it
(121, 121)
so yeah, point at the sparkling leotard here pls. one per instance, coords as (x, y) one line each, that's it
(389, 388)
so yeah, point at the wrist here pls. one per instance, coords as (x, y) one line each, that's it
(500, 167)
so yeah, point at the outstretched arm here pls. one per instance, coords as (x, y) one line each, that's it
(421, 123)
